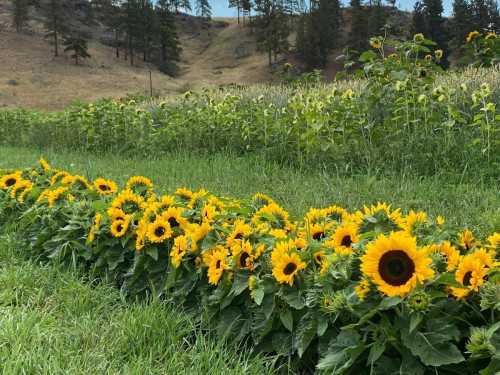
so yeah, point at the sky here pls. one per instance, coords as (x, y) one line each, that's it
(220, 8)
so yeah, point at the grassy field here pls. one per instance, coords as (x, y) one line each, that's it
(54, 321)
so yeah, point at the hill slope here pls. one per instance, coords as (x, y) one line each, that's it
(31, 76)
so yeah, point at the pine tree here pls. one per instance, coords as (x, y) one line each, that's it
(485, 15)
(55, 20)
(203, 9)
(78, 46)
(461, 23)
(435, 28)
(377, 18)
(167, 38)
(358, 34)
(20, 13)
(418, 19)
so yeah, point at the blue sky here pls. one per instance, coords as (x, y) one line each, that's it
(220, 8)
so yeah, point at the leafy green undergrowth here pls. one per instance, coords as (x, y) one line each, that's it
(52, 321)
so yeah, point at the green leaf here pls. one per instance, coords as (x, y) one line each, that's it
(377, 349)
(432, 348)
(286, 318)
(415, 320)
(305, 333)
(342, 353)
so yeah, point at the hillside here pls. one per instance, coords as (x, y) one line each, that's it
(30, 75)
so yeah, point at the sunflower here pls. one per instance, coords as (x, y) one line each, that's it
(412, 220)
(449, 252)
(300, 243)
(472, 35)
(486, 257)
(494, 241)
(418, 38)
(240, 231)
(243, 254)
(196, 198)
(262, 200)
(198, 232)
(285, 266)
(55, 195)
(184, 193)
(439, 54)
(173, 215)
(470, 273)
(344, 237)
(44, 165)
(315, 215)
(491, 35)
(216, 262)
(319, 232)
(375, 43)
(208, 213)
(120, 227)
(105, 187)
(273, 215)
(10, 180)
(159, 230)
(141, 234)
(58, 177)
(24, 187)
(96, 225)
(79, 182)
(380, 216)
(165, 202)
(394, 264)
(140, 185)
(278, 233)
(336, 213)
(319, 256)
(128, 202)
(179, 249)
(440, 220)
(466, 239)
(362, 289)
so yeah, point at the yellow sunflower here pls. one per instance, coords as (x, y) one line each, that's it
(440, 220)
(494, 241)
(418, 38)
(285, 266)
(55, 195)
(240, 231)
(375, 43)
(412, 220)
(173, 215)
(179, 249)
(20, 190)
(140, 185)
(381, 211)
(315, 215)
(197, 197)
(243, 254)
(395, 265)
(344, 237)
(336, 213)
(58, 177)
(76, 181)
(319, 232)
(472, 35)
(120, 227)
(319, 256)
(208, 213)
(105, 187)
(216, 262)
(486, 257)
(44, 165)
(128, 202)
(273, 215)
(141, 234)
(362, 289)
(96, 225)
(439, 54)
(197, 232)
(449, 252)
(491, 35)
(165, 202)
(10, 180)
(470, 273)
(466, 239)
(262, 199)
(184, 193)
(159, 230)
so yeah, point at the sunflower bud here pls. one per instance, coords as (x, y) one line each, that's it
(479, 344)
(334, 303)
(490, 296)
(418, 38)
(419, 301)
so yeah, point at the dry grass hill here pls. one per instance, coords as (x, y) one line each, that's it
(30, 76)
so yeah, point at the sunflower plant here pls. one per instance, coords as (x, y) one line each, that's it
(375, 290)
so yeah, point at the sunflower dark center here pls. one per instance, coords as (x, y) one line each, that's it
(239, 236)
(243, 259)
(290, 268)
(217, 264)
(319, 257)
(103, 187)
(173, 222)
(467, 277)
(396, 267)
(119, 228)
(346, 241)
(160, 231)
(319, 236)
(10, 182)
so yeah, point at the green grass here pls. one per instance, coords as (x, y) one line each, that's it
(53, 321)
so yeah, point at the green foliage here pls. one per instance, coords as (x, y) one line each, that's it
(78, 47)
(481, 49)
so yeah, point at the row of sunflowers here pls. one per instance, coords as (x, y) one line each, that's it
(373, 291)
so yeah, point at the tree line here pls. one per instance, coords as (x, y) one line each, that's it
(311, 29)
